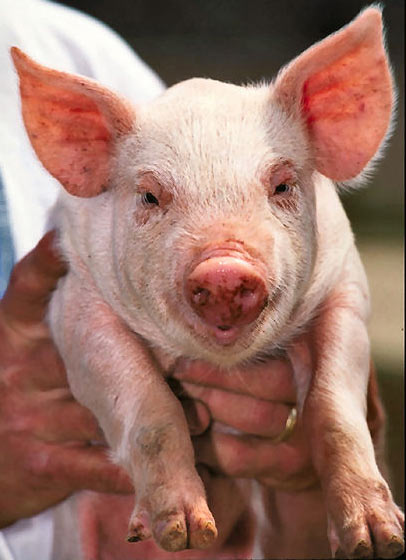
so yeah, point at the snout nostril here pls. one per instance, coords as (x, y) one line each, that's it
(246, 292)
(224, 327)
(200, 296)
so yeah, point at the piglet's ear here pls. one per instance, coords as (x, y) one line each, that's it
(73, 124)
(342, 88)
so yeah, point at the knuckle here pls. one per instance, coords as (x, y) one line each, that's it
(19, 414)
(12, 378)
(22, 423)
(40, 465)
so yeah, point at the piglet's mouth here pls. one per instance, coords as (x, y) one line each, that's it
(225, 334)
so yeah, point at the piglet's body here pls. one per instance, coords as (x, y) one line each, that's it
(206, 225)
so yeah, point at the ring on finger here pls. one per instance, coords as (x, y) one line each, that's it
(289, 427)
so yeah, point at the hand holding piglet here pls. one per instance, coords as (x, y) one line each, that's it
(44, 432)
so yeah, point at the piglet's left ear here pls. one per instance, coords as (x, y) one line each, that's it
(73, 124)
(342, 88)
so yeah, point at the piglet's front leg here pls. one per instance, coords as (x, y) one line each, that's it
(111, 372)
(364, 521)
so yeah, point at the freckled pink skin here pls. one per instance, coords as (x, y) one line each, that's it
(212, 154)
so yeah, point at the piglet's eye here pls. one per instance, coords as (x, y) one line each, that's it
(149, 198)
(283, 188)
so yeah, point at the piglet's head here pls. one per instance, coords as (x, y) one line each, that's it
(73, 124)
(215, 214)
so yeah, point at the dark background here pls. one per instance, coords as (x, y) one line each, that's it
(248, 40)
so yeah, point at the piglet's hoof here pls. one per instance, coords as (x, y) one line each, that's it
(368, 527)
(171, 532)
(174, 531)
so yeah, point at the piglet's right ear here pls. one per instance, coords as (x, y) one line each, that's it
(73, 124)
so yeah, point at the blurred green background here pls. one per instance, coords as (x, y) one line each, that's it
(247, 40)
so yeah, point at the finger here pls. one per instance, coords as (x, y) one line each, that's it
(253, 416)
(284, 466)
(32, 281)
(197, 416)
(64, 421)
(39, 368)
(270, 380)
(81, 468)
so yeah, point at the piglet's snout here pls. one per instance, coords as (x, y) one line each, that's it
(226, 292)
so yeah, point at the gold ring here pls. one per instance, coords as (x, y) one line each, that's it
(289, 426)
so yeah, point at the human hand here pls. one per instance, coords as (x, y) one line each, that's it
(44, 433)
(249, 409)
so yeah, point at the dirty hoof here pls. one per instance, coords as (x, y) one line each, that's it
(371, 527)
(138, 529)
(204, 536)
(171, 533)
(180, 530)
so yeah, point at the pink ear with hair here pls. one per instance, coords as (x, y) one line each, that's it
(73, 124)
(342, 87)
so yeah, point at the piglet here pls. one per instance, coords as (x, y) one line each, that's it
(206, 225)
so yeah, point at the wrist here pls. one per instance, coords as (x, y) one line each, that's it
(296, 524)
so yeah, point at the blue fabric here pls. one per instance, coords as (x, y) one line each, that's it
(6, 242)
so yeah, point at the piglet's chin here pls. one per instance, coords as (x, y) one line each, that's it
(225, 339)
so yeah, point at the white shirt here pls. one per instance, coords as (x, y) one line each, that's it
(64, 39)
